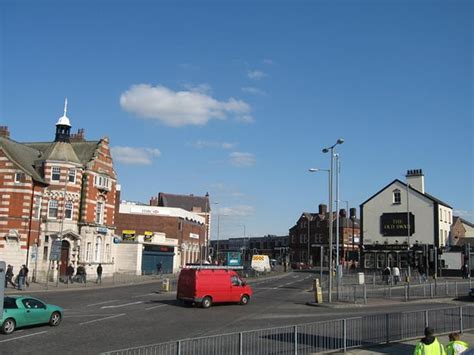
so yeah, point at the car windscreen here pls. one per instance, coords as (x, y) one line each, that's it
(9, 303)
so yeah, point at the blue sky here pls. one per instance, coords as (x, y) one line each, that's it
(237, 98)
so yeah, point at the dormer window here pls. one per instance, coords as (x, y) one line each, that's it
(55, 173)
(397, 197)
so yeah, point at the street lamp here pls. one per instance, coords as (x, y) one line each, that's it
(327, 150)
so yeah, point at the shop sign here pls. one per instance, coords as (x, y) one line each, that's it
(396, 224)
(128, 235)
(101, 230)
(147, 236)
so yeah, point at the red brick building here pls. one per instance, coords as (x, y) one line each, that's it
(60, 191)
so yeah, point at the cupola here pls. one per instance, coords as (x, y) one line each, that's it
(63, 126)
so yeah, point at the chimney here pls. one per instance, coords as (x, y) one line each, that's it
(4, 132)
(342, 213)
(323, 209)
(78, 137)
(154, 201)
(416, 179)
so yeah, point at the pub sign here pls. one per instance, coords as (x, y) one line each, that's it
(396, 224)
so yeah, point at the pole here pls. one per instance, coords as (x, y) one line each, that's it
(309, 237)
(338, 166)
(321, 263)
(218, 230)
(330, 229)
(408, 230)
(62, 225)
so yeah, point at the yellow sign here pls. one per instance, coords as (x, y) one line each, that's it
(128, 231)
(147, 233)
(128, 235)
(258, 257)
(148, 236)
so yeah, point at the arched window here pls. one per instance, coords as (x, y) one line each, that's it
(98, 248)
(397, 197)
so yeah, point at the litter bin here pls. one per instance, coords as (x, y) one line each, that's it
(360, 278)
(165, 286)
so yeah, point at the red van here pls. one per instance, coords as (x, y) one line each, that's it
(212, 285)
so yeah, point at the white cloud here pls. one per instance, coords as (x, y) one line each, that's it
(179, 108)
(134, 155)
(201, 88)
(253, 90)
(256, 74)
(245, 119)
(242, 159)
(200, 144)
(241, 211)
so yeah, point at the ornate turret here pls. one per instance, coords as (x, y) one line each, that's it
(63, 126)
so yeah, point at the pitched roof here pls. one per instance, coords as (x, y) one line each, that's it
(84, 151)
(432, 198)
(186, 202)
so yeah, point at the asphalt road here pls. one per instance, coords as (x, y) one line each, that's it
(98, 320)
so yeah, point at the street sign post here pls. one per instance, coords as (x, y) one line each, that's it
(3, 269)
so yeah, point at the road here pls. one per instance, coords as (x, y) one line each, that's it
(98, 320)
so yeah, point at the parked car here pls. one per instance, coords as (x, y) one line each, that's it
(21, 311)
(212, 284)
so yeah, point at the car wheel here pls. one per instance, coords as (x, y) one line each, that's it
(206, 302)
(8, 326)
(244, 300)
(55, 319)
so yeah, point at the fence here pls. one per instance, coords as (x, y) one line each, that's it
(320, 337)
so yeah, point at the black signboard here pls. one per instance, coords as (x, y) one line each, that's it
(395, 224)
(55, 254)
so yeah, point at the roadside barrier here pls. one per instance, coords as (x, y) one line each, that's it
(319, 337)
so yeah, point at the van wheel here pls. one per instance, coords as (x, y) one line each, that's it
(244, 300)
(206, 302)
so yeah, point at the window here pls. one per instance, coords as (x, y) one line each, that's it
(19, 177)
(99, 212)
(9, 303)
(37, 207)
(449, 217)
(88, 252)
(68, 210)
(107, 252)
(53, 209)
(440, 214)
(72, 175)
(98, 247)
(56, 173)
(45, 253)
(397, 197)
(101, 182)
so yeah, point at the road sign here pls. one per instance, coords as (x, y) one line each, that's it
(55, 254)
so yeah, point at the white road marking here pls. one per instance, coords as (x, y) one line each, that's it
(96, 304)
(122, 305)
(147, 294)
(85, 315)
(24, 336)
(161, 305)
(101, 319)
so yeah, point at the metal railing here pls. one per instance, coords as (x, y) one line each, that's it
(320, 337)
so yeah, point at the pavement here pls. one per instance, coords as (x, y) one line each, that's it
(406, 347)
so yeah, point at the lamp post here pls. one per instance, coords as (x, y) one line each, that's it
(327, 150)
(315, 170)
(218, 230)
(338, 166)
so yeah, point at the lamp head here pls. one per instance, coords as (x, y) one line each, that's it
(313, 170)
(325, 150)
(340, 141)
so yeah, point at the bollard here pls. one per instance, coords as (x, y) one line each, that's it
(365, 294)
(318, 294)
(165, 286)
(447, 291)
(456, 289)
(431, 290)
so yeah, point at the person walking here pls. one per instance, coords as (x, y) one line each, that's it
(99, 274)
(386, 275)
(69, 273)
(21, 279)
(396, 274)
(422, 272)
(26, 275)
(429, 345)
(456, 346)
(9, 276)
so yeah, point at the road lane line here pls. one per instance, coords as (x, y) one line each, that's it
(147, 294)
(101, 319)
(121, 305)
(161, 305)
(96, 304)
(24, 336)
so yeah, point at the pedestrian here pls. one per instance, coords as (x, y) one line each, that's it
(26, 275)
(386, 275)
(158, 268)
(69, 273)
(9, 276)
(465, 271)
(21, 279)
(396, 274)
(99, 274)
(422, 272)
(81, 274)
(456, 346)
(429, 345)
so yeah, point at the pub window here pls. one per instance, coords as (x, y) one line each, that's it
(98, 248)
(99, 212)
(53, 209)
(397, 198)
(55, 173)
(88, 251)
(68, 210)
(107, 252)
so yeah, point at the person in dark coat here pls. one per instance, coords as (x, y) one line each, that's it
(9, 276)
(99, 274)
(69, 273)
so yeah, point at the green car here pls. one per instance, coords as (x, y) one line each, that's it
(22, 311)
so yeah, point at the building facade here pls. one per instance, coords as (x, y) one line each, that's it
(309, 237)
(56, 195)
(403, 225)
(154, 237)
